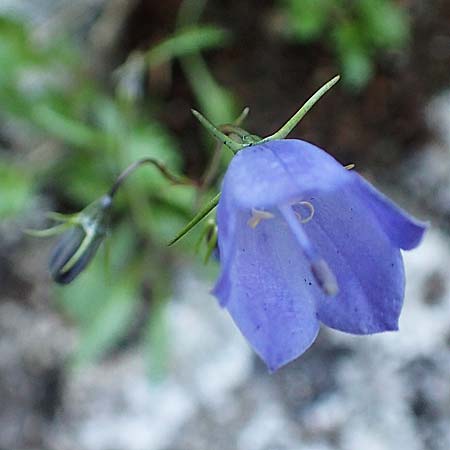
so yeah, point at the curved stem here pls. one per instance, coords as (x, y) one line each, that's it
(161, 167)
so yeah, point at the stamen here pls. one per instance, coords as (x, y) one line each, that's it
(319, 268)
(257, 216)
(349, 166)
(311, 212)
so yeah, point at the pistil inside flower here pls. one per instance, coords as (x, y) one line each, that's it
(319, 267)
(257, 216)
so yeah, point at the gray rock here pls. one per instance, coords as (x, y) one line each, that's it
(385, 391)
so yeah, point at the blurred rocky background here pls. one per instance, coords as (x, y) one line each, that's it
(136, 354)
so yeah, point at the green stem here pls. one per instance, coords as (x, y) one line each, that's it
(161, 167)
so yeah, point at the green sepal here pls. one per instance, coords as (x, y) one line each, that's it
(67, 221)
(68, 218)
(232, 145)
(196, 219)
(212, 242)
(48, 232)
(242, 116)
(202, 237)
(295, 119)
(209, 234)
(252, 140)
(280, 134)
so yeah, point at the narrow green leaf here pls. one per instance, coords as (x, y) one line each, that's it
(15, 187)
(65, 128)
(214, 100)
(157, 341)
(103, 308)
(186, 42)
(109, 324)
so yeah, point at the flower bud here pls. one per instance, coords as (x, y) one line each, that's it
(77, 246)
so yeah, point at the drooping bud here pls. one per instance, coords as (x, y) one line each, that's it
(83, 232)
(78, 245)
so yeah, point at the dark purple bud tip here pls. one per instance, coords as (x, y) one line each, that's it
(325, 277)
(72, 254)
(78, 246)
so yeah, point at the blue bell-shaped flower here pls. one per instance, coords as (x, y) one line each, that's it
(305, 241)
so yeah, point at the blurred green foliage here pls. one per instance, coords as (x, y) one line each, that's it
(87, 133)
(356, 30)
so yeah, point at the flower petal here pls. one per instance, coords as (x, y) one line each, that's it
(404, 230)
(367, 265)
(271, 174)
(266, 280)
(265, 287)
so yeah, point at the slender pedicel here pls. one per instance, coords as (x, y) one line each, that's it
(161, 167)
